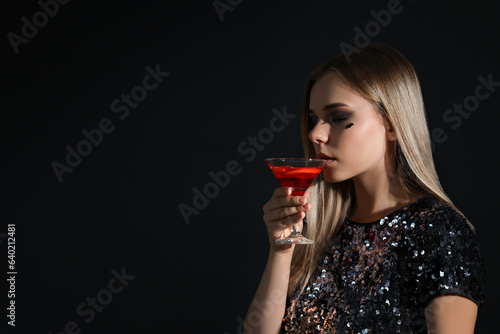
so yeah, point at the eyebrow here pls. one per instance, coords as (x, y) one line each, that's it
(331, 106)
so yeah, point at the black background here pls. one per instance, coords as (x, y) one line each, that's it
(119, 207)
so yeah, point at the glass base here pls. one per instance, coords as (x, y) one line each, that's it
(295, 238)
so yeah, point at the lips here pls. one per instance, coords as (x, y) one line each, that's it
(330, 160)
(323, 156)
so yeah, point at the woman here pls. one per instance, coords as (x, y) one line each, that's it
(392, 254)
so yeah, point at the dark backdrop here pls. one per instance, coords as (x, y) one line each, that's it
(116, 214)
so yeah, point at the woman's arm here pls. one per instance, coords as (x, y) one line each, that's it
(268, 306)
(451, 314)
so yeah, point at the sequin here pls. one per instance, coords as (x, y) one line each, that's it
(379, 277)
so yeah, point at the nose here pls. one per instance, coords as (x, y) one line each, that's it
(319, 133)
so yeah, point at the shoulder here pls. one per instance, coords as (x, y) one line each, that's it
(443, 252)
(440, 230)
(432, 217)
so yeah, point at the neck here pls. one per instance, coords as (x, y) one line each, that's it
(375, 197)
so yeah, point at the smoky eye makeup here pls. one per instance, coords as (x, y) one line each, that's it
(338, 116)
(333, 117)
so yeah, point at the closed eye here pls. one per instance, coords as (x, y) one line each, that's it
(333, 117)
(338, 119)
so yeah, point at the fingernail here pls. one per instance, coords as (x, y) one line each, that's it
(302, 200)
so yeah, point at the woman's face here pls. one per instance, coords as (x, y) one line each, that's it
(347, 130)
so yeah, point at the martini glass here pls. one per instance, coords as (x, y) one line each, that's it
(299, 174)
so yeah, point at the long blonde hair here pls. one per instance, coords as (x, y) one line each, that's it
(384, 77)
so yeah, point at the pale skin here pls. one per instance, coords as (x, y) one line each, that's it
(360, 152)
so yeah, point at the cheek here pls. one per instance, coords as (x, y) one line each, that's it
(358, 149)
(361, 142)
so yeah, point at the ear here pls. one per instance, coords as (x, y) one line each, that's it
(390, 133)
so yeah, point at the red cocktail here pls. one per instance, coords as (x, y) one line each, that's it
(300, 178)
(298, 174)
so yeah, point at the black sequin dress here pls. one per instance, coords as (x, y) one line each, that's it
(379, 277)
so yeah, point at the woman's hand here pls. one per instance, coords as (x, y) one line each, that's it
(281, 212)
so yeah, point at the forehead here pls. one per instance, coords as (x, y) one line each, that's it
(331, 89)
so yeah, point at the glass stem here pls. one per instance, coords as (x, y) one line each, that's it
(296, 228)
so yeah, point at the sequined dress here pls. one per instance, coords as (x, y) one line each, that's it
(379, 277)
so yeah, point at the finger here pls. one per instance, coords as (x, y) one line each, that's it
(282, 192)
(278, 193)
(275, 203)
(306, 196)
(282, 203)
(288, 222)
(284, 212)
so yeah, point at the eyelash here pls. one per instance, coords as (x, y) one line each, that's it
(314, 119)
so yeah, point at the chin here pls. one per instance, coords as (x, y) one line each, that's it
(334, 177)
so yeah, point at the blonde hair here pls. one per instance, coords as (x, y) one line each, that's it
(383, 76)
